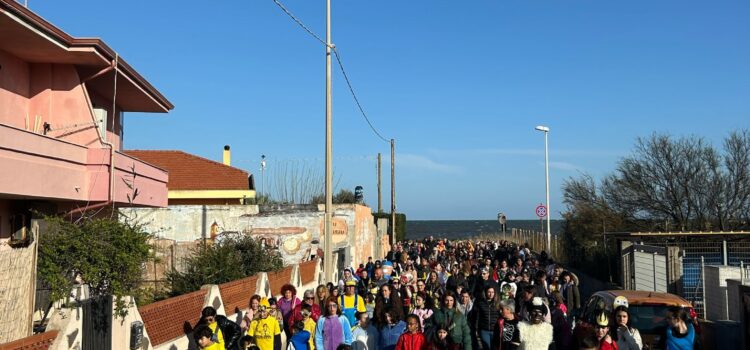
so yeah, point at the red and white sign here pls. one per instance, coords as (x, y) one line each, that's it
(541, 211)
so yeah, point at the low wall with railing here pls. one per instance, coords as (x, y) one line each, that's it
(168, 324)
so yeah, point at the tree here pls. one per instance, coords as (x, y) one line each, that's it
(232, 257)
(106, 254)
(667, 183)
(343, 196)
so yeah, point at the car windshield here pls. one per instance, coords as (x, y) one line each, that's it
(649, 319)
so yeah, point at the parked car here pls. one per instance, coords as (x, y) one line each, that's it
(647, 313)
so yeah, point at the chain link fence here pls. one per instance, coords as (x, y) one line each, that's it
(693, 250)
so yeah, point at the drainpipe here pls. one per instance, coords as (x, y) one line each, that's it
(103, 140)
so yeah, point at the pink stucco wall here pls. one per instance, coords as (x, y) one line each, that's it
(55, 94)
(68, 163)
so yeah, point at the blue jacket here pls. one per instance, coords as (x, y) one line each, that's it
(300, 340)
(685, 342)
(389, 335)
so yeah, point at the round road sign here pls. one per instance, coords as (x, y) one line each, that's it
(541, 211)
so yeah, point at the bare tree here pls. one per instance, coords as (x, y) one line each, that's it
(684, 181)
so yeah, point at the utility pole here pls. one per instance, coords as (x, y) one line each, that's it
(380, 187)
(328, 240)
(393, 192)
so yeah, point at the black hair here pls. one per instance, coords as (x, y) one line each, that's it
(416, 319)
(272, 301)
(359, 314)
(247, 340)
(678, 312)
(201, 331)
(344, 347)
(208, 311)
(589, 342)
(299, 326)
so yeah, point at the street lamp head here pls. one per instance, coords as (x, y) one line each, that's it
(542, 128)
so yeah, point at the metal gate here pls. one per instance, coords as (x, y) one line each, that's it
(97, 323)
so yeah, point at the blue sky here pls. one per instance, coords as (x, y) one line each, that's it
(459, 84)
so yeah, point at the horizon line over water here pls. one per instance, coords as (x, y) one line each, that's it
(455, 229)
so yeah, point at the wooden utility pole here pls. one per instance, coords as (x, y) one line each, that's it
(393, 192)
(380, 187)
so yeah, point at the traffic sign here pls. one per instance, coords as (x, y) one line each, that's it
(501, 218)
(541, 211)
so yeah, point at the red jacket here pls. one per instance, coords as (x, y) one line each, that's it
(603, 345)
(297, 314)
(411, 341)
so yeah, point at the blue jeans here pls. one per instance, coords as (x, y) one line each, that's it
(486, 337)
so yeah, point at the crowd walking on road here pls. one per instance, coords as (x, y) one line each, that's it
(435, 295)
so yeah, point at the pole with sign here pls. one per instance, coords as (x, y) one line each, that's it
(541, 212)
(501, 219)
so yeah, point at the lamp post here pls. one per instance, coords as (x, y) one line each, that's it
(262, 173)
(545, 130)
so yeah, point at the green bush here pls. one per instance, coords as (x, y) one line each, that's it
(231, 258)
(107, 254)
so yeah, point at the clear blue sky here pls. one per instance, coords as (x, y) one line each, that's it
(459, 84)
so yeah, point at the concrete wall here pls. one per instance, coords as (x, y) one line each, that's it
(716, 295)
(734, 299)
(291, 229)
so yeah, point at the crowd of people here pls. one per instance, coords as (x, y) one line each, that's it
(428, 295)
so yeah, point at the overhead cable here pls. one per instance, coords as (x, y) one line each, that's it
(341, 66)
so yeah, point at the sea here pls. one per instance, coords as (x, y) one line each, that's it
(457, 229)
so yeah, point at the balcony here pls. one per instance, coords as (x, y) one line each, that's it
(35, 166)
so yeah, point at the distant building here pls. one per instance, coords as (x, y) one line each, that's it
(195, 180)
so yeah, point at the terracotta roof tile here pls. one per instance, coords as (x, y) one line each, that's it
(307, 271)
(172, 318)
(190, 172)
(236, 294)
(41, 341)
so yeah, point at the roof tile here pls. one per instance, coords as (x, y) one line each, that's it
(172, 318)
(191, 172)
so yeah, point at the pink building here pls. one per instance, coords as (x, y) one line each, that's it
(62, 101)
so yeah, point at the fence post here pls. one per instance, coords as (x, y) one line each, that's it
(742, 273)
(724, 252)
(703, 282)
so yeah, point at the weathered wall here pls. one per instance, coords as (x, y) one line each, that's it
(17, 286)
(291, 229)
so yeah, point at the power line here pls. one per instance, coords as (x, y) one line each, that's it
(341, 66)
(351, 89)
(294, 18)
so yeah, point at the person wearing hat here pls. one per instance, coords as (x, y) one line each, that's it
(535, 334)
(351, 302)
(602, 332)
(508, 287)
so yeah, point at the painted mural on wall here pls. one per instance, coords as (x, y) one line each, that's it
(296, 234)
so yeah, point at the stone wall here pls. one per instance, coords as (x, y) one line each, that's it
(17, 290)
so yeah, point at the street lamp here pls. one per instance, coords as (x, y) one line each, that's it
(262, 173)
(545, 130)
